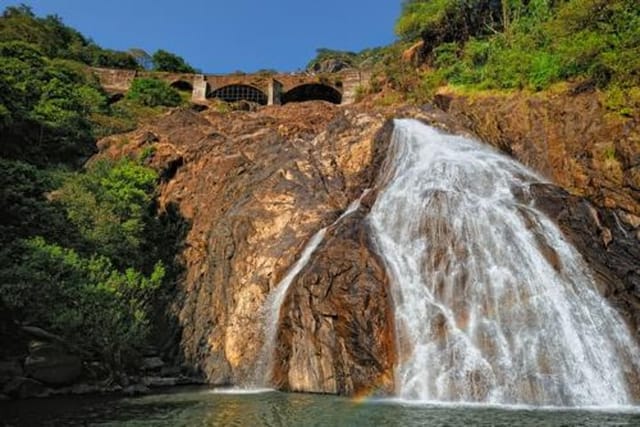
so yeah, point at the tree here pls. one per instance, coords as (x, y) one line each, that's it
(167, 61)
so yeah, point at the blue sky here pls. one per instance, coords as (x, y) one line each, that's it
(220, 36)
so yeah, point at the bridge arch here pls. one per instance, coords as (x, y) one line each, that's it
(182, 85)
(239, 92)
(312, 92)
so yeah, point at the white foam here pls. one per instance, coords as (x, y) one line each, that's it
(234, 390)
(491, 303)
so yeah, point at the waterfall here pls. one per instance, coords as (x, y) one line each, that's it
(491, 303)
(275, 299)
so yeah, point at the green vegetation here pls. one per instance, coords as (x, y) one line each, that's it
(55, 40)
(515, 44)
(45, 104)
(153, 93)
(83, 253)
(166, 61)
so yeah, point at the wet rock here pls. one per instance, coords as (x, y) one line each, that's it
(337, 333)
(608, 245)
(155, 382)
(24, 388)
(51, 364)
(85, 389)
(152, 363)
(254, 186)
(170, 371)
(187, 380)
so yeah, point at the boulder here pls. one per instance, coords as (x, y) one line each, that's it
(51, 364)
(330, 66)
(136, 390)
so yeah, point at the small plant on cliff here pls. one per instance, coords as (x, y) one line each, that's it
(153, 92)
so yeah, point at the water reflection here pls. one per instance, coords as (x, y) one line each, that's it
(202, 407)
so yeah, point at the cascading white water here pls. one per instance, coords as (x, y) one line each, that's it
(275, 299)
(492, 304)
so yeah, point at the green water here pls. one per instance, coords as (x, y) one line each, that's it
(203, 407)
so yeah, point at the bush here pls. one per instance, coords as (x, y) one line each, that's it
(153, 92)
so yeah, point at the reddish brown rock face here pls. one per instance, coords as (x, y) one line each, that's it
(255, 187)
(337, 333)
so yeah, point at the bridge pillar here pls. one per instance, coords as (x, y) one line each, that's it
(274, 92)
(199, 93)
(352, 81)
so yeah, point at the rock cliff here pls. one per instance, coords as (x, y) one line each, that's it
(255, 186)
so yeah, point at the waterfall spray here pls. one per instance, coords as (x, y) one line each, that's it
(492, 304)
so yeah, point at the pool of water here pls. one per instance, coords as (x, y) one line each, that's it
(207, 407)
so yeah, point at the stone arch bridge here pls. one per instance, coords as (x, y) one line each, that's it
(262, 88)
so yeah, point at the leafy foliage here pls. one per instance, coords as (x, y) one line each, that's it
(104, 272)
(153, 93)
(110, 206)
(166, 61)
(442, 21)
(45, 104)
(71, 295)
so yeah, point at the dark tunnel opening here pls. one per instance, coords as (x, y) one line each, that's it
(233, 93)
(182, 86)
(115, 97)
(312, 92)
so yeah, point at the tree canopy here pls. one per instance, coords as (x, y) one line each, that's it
(167, 61)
